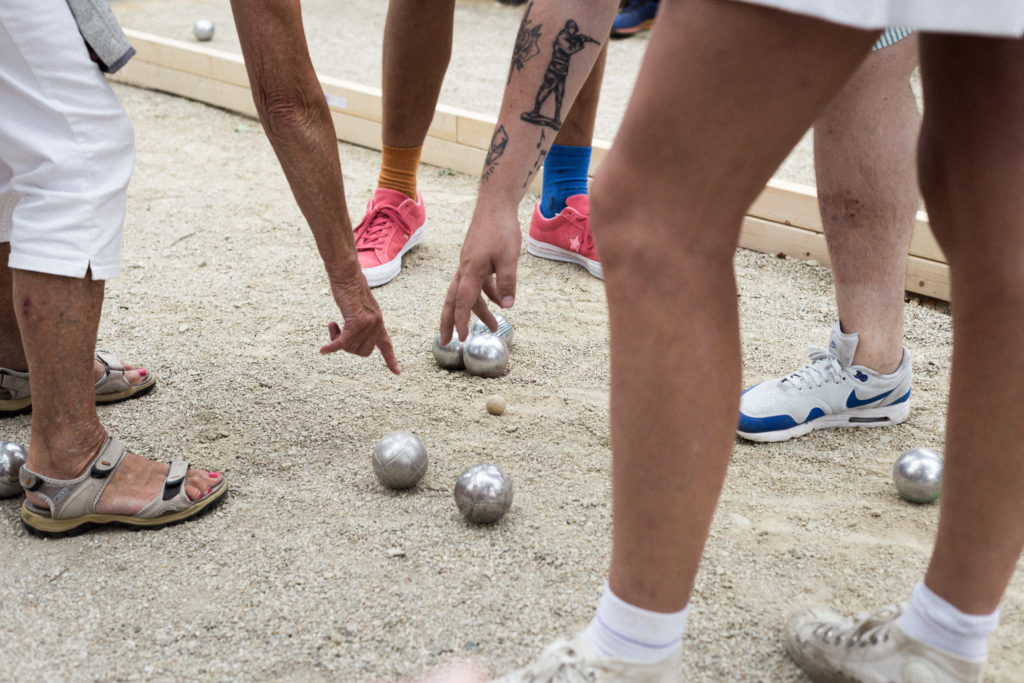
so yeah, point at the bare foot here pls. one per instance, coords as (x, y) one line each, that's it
(137, 481)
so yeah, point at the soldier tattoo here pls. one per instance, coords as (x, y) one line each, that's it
(568, 42)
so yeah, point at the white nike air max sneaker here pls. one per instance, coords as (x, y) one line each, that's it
(828, 392)
(870, 648)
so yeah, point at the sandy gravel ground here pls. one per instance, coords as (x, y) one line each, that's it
(311, 570)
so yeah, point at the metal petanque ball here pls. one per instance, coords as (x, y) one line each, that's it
(505, 331)
(399, 460)
(918, 475)
(203, 29)
(449, 356)
(12, 457)
(485, 355)
(483, 493)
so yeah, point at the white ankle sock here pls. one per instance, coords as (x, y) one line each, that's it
(622, 631)
(932, 620)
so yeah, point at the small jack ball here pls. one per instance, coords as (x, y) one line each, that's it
(400, 460)
(203, 29)
(918, 475)
(495, 404)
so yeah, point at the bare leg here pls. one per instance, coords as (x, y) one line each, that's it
(864, 157)
(12, 355)
(687, 162)
(58, 318)
(578, 127)
(417, 48)
(971, 170)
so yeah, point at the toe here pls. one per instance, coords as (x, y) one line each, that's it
(200, 483)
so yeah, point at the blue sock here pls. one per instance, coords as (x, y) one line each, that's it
(565, 174)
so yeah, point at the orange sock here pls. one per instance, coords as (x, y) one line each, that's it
(398, 167)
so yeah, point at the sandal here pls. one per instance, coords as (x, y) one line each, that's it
(110, 388)
(73, 501)
(113, 386)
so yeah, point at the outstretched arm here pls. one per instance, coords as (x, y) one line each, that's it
(547, 72)
(295, 116)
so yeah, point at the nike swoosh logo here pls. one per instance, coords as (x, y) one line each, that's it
(853, 402)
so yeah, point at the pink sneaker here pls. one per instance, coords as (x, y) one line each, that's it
(393, 225)
(566, 237)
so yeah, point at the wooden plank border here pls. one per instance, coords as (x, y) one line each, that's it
(783, 220)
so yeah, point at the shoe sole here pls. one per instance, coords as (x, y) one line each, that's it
(47, 527)
(134, 391)
(553, 253)
(12, 407)
(386, 272)
(633, 30)
(857, 419)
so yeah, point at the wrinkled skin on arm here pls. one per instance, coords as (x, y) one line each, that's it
(295, 116)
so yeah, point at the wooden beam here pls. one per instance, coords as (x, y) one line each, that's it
(783, 220)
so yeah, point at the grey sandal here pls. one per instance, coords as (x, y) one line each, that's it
(110, 388)
(72, 502)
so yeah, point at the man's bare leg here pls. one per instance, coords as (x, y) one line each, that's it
(864, 154)
(667, 235)
(417, 48)
(578, 126)
(58, 318)
(971, 169)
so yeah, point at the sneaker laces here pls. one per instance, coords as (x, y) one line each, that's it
(374, 230)
(824, 367)
(863, 629)
(560, 661)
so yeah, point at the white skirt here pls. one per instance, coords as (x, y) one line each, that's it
(1004, 18)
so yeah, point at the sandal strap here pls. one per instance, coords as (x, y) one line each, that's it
(173, 498)
(76, 497)
(15, 383)
(113, 379)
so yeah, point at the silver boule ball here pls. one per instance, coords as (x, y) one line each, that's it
(485, 355)
(483, 493)
(399, 460)
(12, 457)
(449, 356)
(918, 475)
(203, 29)
(505, 331)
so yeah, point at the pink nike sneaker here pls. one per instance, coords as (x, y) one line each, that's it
(566, 237)
(393, 225)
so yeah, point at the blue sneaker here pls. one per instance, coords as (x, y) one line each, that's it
(636, 16)
(829, 392)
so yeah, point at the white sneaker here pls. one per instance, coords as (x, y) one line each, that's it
(572, 661)
(829, 392)
(870, 648)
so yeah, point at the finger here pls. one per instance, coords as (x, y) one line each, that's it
(448, 311)
(505, 278)
(333, 330)
(485, 315)
(466, 297)
(491, 290)
(388, 351)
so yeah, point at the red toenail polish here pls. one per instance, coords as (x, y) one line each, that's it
(214, 474)
(208, 491)
(142, 372)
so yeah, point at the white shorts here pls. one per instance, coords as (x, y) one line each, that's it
(66, 147)
(1001, 18)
